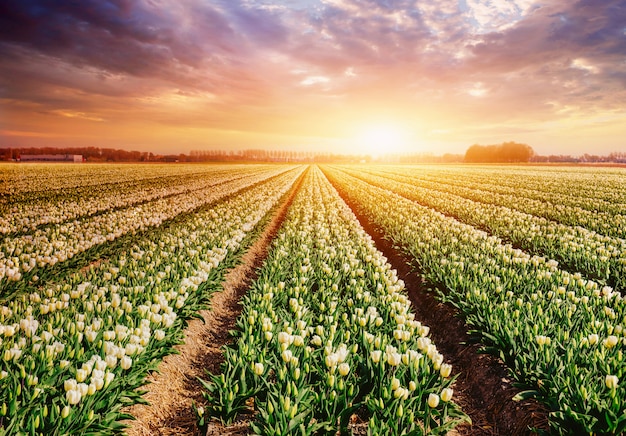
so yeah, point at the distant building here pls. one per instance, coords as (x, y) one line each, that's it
(51, 158)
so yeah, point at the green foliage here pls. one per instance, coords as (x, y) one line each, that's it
(561, 334)
(329, 317)
(76, 352)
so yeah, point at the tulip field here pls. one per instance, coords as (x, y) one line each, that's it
(560, 330)
(77, 342)
(326, 330)
(103, 266)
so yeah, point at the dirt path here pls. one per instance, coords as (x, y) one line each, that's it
(174, 388)
(482, 389)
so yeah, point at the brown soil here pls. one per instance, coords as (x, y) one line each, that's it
(483, 388)
(174, 388)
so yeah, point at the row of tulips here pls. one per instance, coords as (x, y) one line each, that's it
(595, 188)
(600, 257)
(601, 216)
(25, 212)
(327, 332)
(25, 257)
(35, 180)
(74, 353)
(561, 335)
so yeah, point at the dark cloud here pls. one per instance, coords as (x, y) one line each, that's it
(561, 30)
(152, 39)
(84, 32)
(569, 53)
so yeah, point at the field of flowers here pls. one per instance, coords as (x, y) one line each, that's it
(560, 332)
(30, 254)
(102, 267)
(327, 332)
(75, 346)
(599, 256)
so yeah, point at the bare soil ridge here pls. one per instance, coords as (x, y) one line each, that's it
(483, 388)
(172, 390)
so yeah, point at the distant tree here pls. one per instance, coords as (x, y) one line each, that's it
(449, 157)
(515, 152)
(507, 152)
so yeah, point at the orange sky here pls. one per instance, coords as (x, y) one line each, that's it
(328, 75)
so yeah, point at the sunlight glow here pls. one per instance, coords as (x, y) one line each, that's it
(377, 140)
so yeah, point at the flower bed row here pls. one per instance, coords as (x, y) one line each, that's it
(561, 334)
(29, 256)
(26, 212)
(37, 180)
(74, 353)
(600, 257)
(327, 332)
(598, 187)
(568, 208)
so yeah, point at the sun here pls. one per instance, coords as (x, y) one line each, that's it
(379, 139)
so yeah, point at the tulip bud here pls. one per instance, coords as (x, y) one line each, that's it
(394, 359)
(611, 381)
(433, 400)
(344, 369)
(395, 384)
(259, 368)
(331, 380)
(340, 384)
(126, 362)
(81, 375)
(445, 370)
(610, 342)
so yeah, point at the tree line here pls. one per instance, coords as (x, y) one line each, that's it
(507, 152)
(92, 154)
(514, 152)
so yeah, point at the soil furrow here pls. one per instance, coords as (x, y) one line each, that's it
(174, 388)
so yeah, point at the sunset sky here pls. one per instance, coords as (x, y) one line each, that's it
(328, 75)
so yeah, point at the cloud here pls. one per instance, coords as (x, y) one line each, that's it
(314, 80)
(556, 47)
(157, 39)
(242, 64)
(21, 134)
(73, 114)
